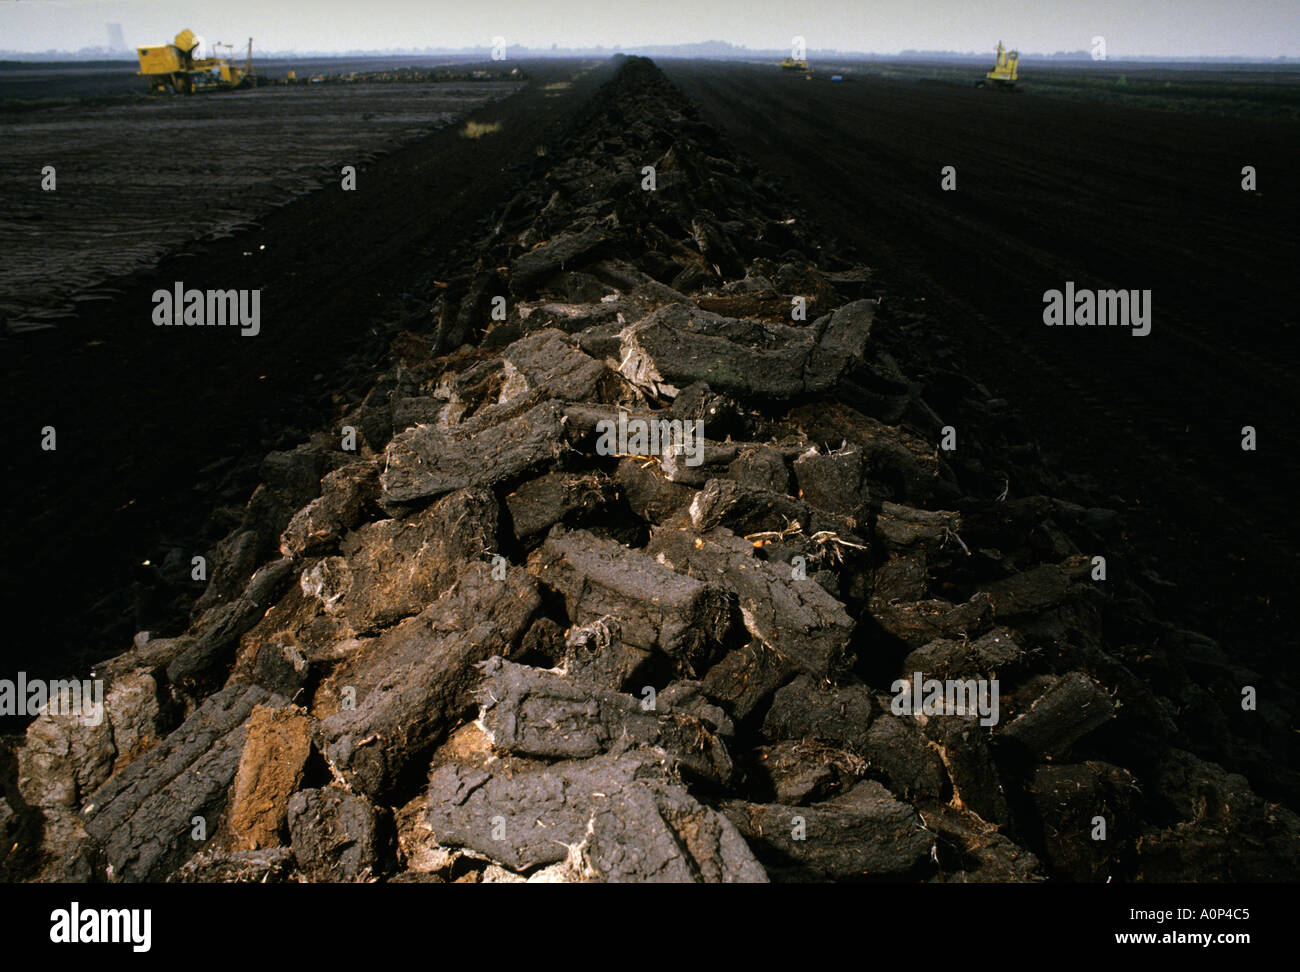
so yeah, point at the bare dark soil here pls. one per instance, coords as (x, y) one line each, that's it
(1051, 190)
(1240, 89)
(192, 168)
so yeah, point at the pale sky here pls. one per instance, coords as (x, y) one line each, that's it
(1189, 28)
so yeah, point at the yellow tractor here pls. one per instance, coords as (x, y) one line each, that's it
(791, 64)
(1006, 70)
(174, 67)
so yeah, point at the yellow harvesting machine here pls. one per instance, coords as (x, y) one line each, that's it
(791, 64)
(1006, 70)
(173, 67)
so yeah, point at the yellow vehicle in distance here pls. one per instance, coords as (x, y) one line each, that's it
(173, 67)
(800, 67)
(1006, 70)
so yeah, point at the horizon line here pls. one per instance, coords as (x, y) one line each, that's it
(128, 54)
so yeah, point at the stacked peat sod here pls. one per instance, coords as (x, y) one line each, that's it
(483, 647)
